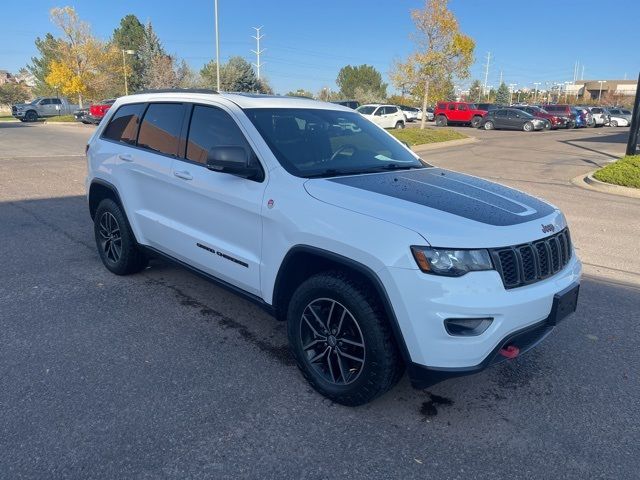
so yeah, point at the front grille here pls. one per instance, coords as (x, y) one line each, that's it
(531, 262)
(14, 109)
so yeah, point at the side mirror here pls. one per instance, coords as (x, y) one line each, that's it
(233, 160)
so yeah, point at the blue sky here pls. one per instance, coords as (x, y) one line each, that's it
(308, 42)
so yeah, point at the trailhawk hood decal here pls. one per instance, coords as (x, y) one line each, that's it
(409, 198)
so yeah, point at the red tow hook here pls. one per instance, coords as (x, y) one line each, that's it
(510, 351)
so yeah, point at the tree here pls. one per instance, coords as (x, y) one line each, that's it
(442, 50)
(49, 50)
(475, 91)
(130, 35)
(150, 51)
(12, 93)
(236, 75)
(502, 95)
(301, 92)
(363, 77)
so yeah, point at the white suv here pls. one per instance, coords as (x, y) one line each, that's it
(377, 261)
(385, 116)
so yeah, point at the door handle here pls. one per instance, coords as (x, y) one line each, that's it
(125, 157)
(183, 175)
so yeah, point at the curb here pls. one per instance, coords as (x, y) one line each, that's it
(587, 181)
(68, 124)
(448, 143)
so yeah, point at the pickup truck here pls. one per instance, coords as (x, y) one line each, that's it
(42, 107)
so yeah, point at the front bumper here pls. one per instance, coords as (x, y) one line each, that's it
(422, 303)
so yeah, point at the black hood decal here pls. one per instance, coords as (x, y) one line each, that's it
(455, 193)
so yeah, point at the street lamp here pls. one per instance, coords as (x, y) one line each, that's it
(124, 68)
(535, 91)
(600, 92)
(217, 47)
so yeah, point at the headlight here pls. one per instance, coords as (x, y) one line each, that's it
(451, 262)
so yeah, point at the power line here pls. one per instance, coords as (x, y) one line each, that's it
(257, 51)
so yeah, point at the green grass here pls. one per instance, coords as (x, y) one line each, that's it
(415, 136)
(61, 118)
(625, 172)
(7, 118)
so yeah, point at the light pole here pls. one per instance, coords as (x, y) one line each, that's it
(217, 48)
(124, 68)
(511, 86)
(600, 92)
(535, 91)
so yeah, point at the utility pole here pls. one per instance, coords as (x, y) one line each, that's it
(500, 78)
(217, 47)
(257, 51)
(632, 143)
(486, 72)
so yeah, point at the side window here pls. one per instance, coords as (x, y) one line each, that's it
(213, 127)
(452, 106)
(123, 126)
(442, 106)
(379, 111)
(392, 109)
(45, 101)
(462, 106)
(161, 126)
(501, 113)
(56, 101)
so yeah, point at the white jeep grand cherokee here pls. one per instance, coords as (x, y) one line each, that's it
(377, 261)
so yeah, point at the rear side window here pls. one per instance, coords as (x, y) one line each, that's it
(442, 106)
(161, 127)
(452, 106)
(462, 106)
(123, 126)
(212, 127)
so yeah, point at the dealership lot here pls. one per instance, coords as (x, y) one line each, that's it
(162, 374)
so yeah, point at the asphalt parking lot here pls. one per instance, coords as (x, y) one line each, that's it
(163, 375)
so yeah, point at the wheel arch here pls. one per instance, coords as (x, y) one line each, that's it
(98, 191)
(303, 261)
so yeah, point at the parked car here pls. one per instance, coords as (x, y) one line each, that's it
(385, 116)
(43, 107)
(95, 112)
(376, 261)
(354, 104)
(619, 117)
(562, 111)
(486, 107)
(512, 119)
(554, 121)
(457, 113)
(580, 117)
(411, 113)
(599, 116)
(586, 119)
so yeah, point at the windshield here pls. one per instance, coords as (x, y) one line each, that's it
(324, 143)
(626, 112)
(524, 114)
(35, 100)
(472, 106)
(365, 110)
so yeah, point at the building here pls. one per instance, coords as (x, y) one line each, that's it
(596, 89)
(5, 77)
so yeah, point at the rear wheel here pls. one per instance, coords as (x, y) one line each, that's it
(475, 121)
(614, 123)
(399, 125)
(441, 121)
(116, 243)
(341, 339)
(527, 127)
(489, 125)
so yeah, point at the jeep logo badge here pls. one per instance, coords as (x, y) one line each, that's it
(548, 228)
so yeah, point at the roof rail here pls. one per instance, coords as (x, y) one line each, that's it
(179, 90)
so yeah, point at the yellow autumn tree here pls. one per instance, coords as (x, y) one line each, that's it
(85, 66)
(442, 52)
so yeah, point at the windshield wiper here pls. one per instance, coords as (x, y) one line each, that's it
(332, 172)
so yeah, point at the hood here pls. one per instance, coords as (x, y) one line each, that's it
(448, 209)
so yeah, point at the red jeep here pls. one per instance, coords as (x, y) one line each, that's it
(458, 112)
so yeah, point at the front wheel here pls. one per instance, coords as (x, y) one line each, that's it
(116, 243)
(31, 116)
(613, 123)
(399, 125)
(527, 127)
(341, 339)
(441, 121)
(475, 121)
(489, 125)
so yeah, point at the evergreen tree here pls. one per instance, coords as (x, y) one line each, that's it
(236, 75)
(502, 95)
(39, 67)
(130, 35)
(475, 91)
(150, 51)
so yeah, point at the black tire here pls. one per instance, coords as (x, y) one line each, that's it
(399, 125)
(475, 121)
(334, 375)
(441, 121)
(115, 241)
(489, 125)
(527, 127)
(31, 116)
(613, 123)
